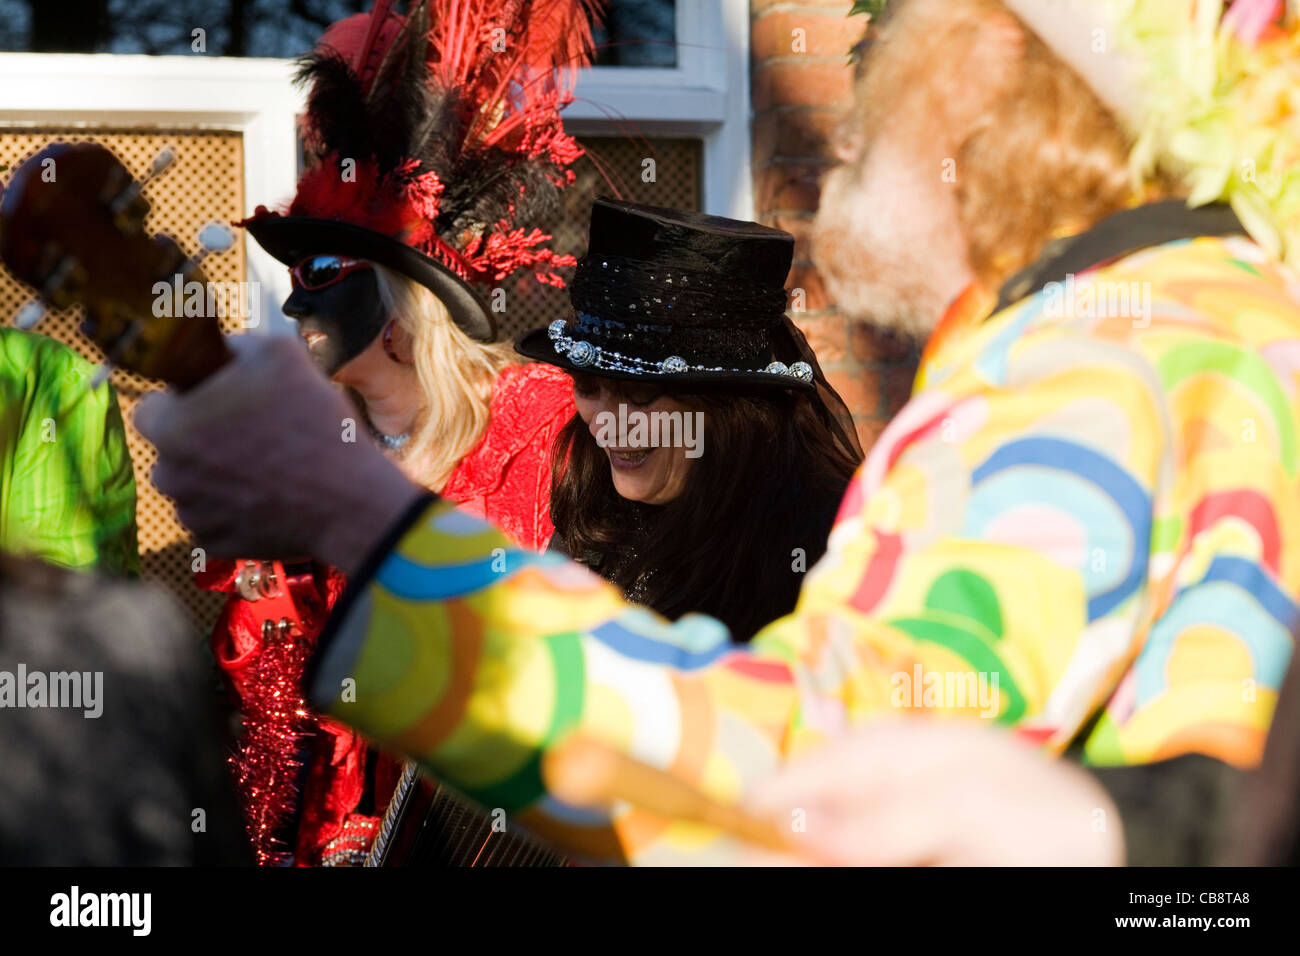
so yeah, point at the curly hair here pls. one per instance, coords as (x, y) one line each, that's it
(1035, 154)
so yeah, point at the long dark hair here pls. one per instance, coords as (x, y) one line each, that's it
(769, 481)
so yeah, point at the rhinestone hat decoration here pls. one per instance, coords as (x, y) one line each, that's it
(583, 354)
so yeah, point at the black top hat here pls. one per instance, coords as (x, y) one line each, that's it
(680, 296)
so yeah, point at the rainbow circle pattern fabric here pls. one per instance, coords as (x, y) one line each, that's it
(1084, 526)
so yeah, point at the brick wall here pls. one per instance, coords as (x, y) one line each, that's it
(801, 86)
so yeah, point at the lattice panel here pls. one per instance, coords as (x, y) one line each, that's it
(676, 184)
(203, 184)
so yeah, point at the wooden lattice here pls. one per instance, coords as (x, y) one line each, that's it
(203, 184)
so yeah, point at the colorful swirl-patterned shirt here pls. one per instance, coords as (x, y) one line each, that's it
(1086, 524)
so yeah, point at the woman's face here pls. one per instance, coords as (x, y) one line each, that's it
(641, 472)
(340, 321)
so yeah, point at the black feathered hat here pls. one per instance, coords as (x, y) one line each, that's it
(437, 144)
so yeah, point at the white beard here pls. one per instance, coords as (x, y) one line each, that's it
(889, 246)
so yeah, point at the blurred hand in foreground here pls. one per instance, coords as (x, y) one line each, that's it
(266, 458)
(922, 792)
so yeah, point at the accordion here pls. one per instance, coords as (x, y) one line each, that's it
(429, 824)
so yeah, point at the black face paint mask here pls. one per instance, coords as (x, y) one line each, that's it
(340, 320)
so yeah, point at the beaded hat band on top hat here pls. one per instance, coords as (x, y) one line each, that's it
(582, 354)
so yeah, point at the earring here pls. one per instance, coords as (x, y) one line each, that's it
(388, 343)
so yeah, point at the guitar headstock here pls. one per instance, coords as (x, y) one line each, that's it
(72, 226)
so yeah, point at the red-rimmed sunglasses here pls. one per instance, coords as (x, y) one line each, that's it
(318, 272)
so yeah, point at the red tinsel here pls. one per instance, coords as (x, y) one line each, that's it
(265, 670)
(267, 764)
(505, 479)
(422, 190)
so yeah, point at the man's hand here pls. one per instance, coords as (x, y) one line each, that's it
(923, 792)
(265, 458)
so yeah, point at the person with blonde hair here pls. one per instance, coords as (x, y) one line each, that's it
(427, 184)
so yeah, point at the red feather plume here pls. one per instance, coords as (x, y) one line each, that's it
(451, 116)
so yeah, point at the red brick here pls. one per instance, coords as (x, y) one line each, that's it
(833, 7)
(803, 84)
(824, 34)
(826, 337)
(794, 133)
(827, 37)
(803, 247)
(858, 388)
(794, 222)
(815, 297)
(870, 343)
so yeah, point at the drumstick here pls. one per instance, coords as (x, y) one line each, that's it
(585, 772)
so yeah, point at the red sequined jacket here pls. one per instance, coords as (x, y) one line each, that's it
(284, 751)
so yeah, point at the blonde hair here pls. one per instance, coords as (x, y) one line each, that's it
(456, 376)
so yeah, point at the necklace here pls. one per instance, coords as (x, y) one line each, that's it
(390, 442)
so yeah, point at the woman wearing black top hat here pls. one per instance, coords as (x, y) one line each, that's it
(684, 313)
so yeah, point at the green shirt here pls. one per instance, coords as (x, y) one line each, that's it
(67, 491)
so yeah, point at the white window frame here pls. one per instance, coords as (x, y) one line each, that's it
(705, 96)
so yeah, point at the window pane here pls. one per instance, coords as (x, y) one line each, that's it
(638, 33)
(260, 28)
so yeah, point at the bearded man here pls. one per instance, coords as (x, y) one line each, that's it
(1033, 158)
(1086, 523)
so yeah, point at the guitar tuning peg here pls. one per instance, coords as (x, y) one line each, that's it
(63, 281)
(161, 163)
(216, 237)
(29, 315)
(102, 372)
